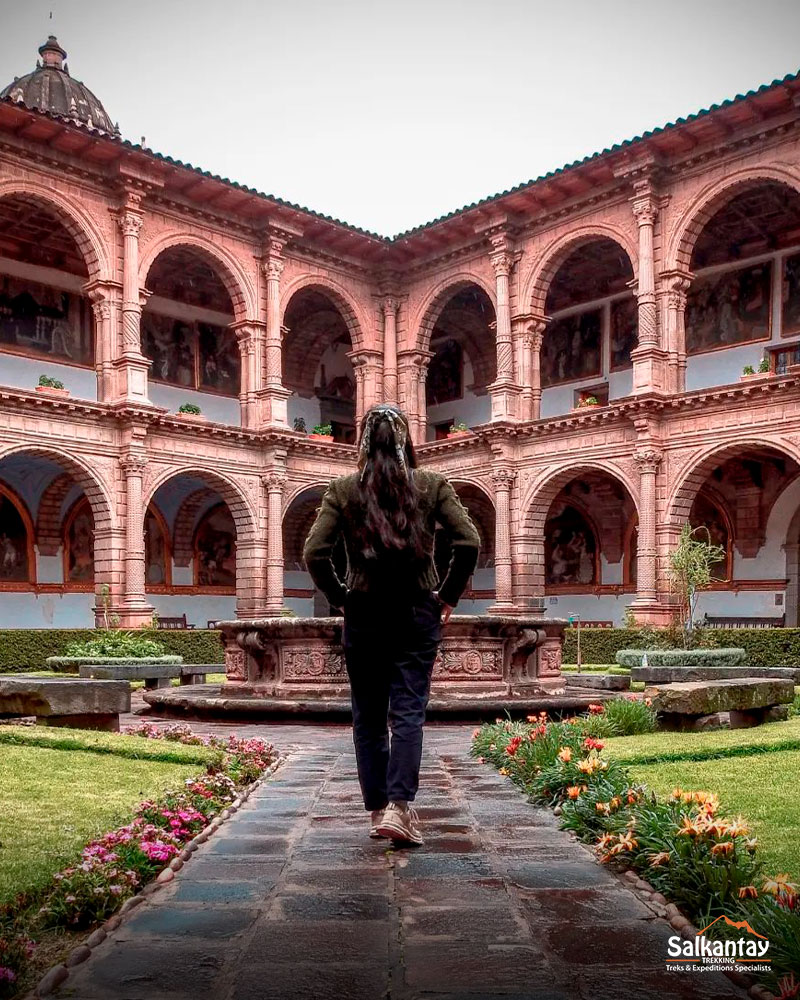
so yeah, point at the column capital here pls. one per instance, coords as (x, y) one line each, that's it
(502, 261)
(502, 478)
(645, 209)
(130, 222)
(648, 459)
(390, 305)
(273, 267)
(275, 481)
(133, 464)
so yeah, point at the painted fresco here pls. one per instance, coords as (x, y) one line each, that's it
(445, 375)
(571, 348)
(624, 331)
(156, 552)
(42, 320)
(79, 563)
(729, 308)
(570, 549)
(215, 550)
(790, 296)
(191, 355)
(14, 552)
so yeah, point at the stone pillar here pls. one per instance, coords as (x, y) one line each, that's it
(274, 394)
(135, 610)
(130, 366)
(421, 376)
(502, 481)
(390, 307)
(249, 337)
(504, 391)
(104, 343)
(275, 484)
(649, 358)
(529, 331)
(367, 369)
(678, 284)
(646, 607)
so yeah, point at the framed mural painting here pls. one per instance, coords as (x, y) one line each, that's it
(79, 545)
(729, 308)
(624, 332)
(446, 373)
(215, 550)
(169, 343)
(790, 296)
(571, 348)
(219, 363)
(570, 549)
(15, 545)
(38, 319)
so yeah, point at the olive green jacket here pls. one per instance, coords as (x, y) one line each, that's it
(342, 509)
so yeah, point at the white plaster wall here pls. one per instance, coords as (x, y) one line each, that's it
(470, 409)
(748, 604)
(50, 569)
(620, 383)
(220, 409)
(721, 367)
(46, 610)
(23, 373)
(198, 608)
(308, 409)
(590, 607)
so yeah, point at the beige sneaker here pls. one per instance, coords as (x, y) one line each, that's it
(375, 818)
(401, 823)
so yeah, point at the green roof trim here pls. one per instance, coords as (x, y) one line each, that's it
(390, 240)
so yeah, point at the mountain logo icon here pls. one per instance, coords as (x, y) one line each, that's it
(739, 925)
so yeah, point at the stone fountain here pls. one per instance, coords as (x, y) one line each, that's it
(296, 666)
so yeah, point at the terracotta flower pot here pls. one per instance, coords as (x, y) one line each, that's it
(196, 417)
(321, 437)
(754, 376)
(49, 390)
(457, 434)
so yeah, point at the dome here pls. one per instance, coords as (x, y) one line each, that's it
(50, 88)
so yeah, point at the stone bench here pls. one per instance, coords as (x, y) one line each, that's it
(748, 700)
(598, 681)
(154, 675)
(669, 675)
(65, 701)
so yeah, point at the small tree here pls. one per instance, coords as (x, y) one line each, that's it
(690, 572)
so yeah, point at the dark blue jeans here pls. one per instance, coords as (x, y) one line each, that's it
(389, 648)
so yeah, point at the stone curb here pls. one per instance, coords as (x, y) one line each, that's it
(58, 974)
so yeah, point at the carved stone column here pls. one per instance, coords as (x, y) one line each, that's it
(529, 331)
(646, 607)
(129, 365)
(106, 334)
(249, 337)
(367, 369)
(649, 358)
(390, 307)
(503, 481)
(504, 391)
(274, 394)
(678, 284)
(135, 610)
(275, 484)
(421, 374)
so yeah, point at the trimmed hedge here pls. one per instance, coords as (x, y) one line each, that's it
(119, 744)
(682, 657)
(72, 664)
(27, 649)
(765, 647)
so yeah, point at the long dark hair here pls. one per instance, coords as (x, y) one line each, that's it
(393, 520)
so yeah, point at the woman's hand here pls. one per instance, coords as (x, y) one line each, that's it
(447, 609)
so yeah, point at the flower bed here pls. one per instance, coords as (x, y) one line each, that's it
(704, 863)
(116, 865)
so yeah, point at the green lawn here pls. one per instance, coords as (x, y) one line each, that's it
(54, 800)
(762, 787)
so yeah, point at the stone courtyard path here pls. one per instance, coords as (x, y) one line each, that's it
(290, 900)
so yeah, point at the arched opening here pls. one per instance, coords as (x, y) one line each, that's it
(745, 496)
(592, 329)
(54, 536)
(300, 593)
(194, 526)
(464, 362)
(480, 592)
(745, 296)
(46, 321)
(186, 334)
(316, 365)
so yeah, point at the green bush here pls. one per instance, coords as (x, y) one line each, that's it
(110, 642)
(119, 744)
(765, 647)
(28, 649)
(72, 664)
(730, 657)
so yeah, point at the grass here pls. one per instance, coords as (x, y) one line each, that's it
(52, 801)
(665, 747)
(117, 744)
(761, 787)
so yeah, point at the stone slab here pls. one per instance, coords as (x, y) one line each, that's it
(602, 682)
(130, 671)
(25, 694)
(706, 697)
(671, 675)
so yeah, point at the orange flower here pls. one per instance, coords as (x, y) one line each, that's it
(748, 892)
(627, 842)
(725, 848)
(676, 793)
(789, 987)
(780, 885)
(603, 807)
(738, 828)
(596, 709)
(648, 702)
(565, 755)
(716, 828)
(605, 840)
(503, 770)
(689, 828)
(662, 858)
(616, 802)
(574, 791)
(476, 733)
(751, 844)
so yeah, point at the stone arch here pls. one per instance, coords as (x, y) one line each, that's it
(356, 320)
(543, 492)
(75, 219)
(233, 276)
(243, 511)
(185, 524)
(437, 298)
(302, 505)
(483, 511)
(536, 285)
(708, 202)
(89, 480)
(48, 518)
(690, 479)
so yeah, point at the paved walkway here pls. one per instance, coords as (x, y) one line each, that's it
(290, 900)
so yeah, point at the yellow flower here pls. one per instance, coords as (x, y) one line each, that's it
(504, 770)
(565, 755)
(779, 884)
(748, 892)
(689, 828)
(738, 828)
(676, 793)
(662, 858)
(603, 807)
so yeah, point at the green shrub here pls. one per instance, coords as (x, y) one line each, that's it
(28, 649)
(119, 744)
(110, 642)
(72, 664)
(626, 717)
(730, 657)
(765, 647)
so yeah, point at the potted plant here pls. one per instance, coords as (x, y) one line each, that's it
(191, 411)
(322, 432)
(458, 429)
(299, 424)
(585, 401)
(764, 369)
(51, 386)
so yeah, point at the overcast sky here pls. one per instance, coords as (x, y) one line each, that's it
(389, 113)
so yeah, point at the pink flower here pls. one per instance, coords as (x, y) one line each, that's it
(69, 899)
(115, 890)
(7, 975)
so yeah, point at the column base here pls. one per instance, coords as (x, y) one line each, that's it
(503, 608)
(272, 408)
(651, 611)
(505, 397)
(650, 369)
(129, 380)
(136, 616)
